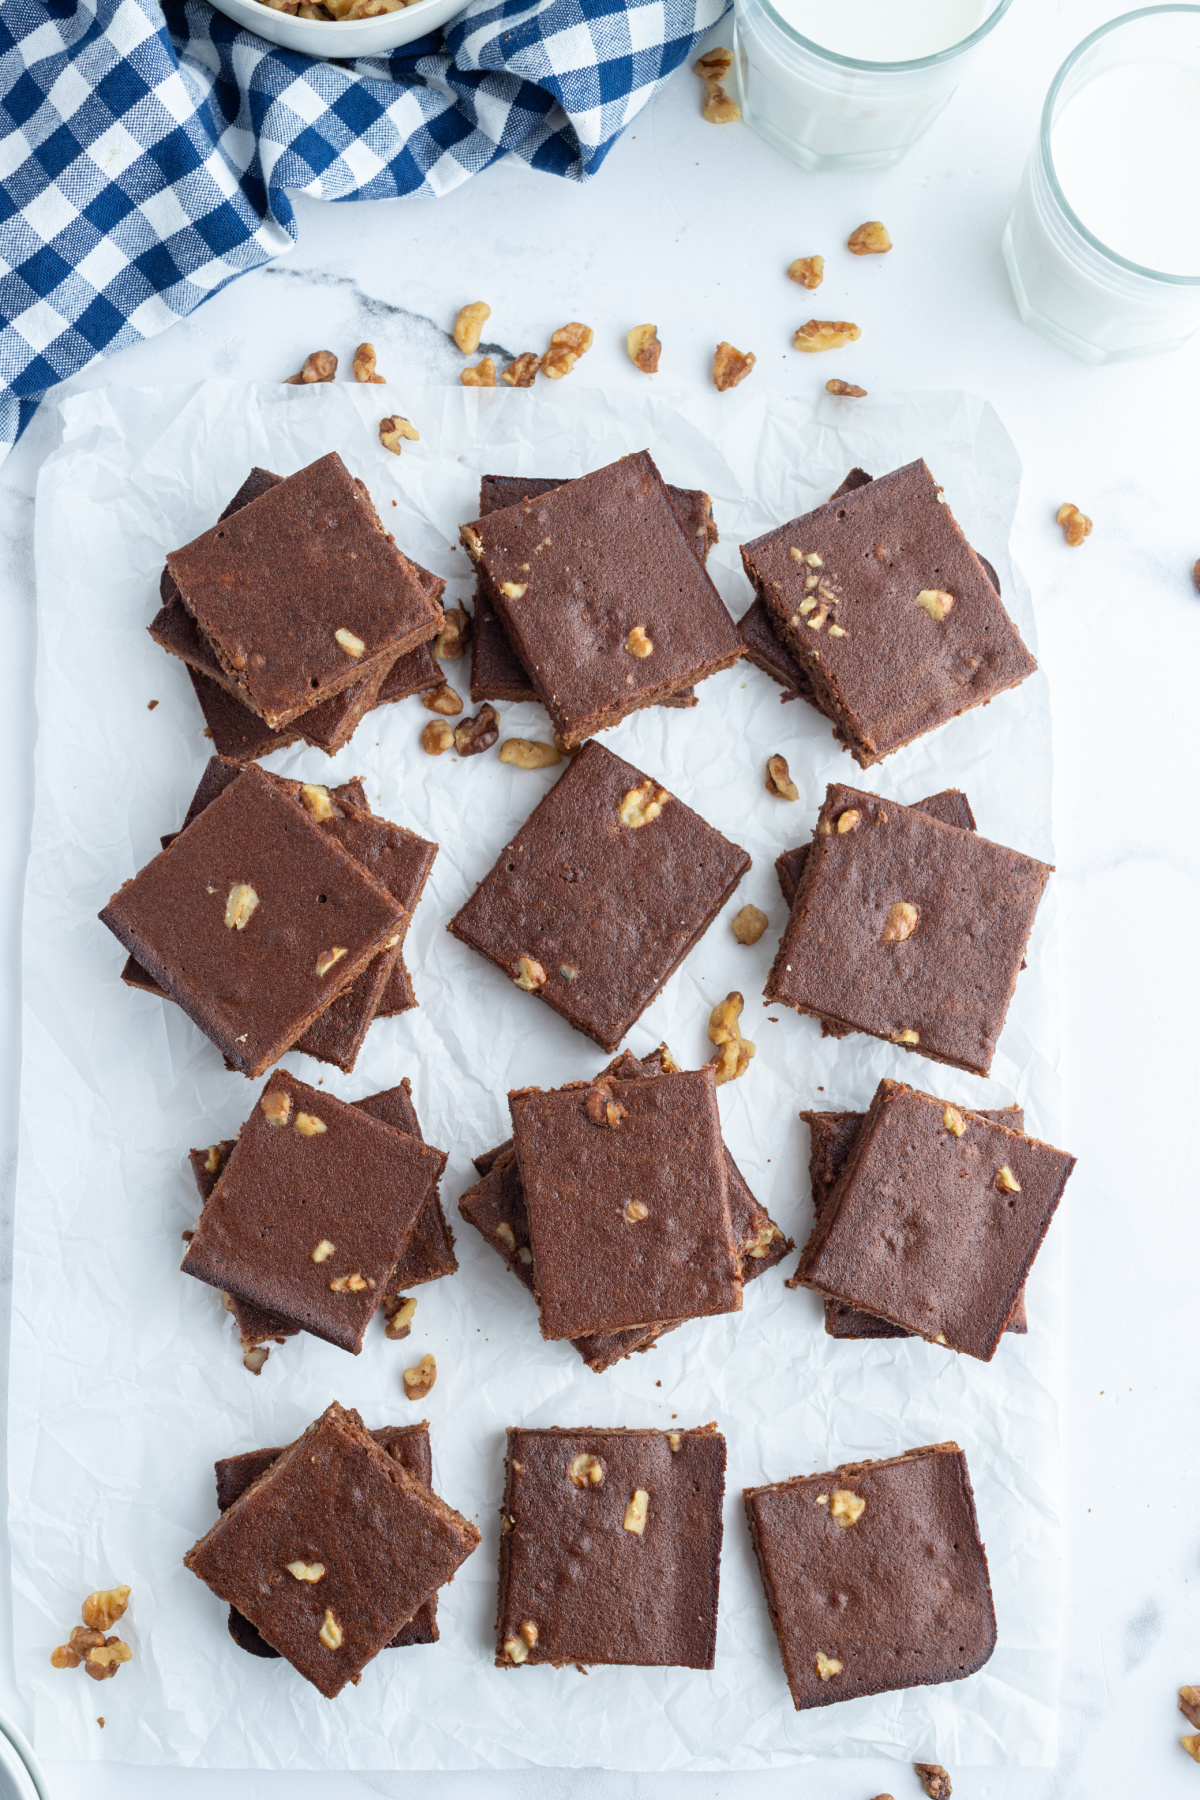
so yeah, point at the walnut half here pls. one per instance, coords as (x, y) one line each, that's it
(419, 1381)
(320, 366)
(395, 429)
(482, 375)
(567, 345)
(644, 348)
(730, 366)
(522, 369)
(807, 271)
(870, 239)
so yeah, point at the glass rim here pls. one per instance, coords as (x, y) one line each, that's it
(890, 68)
(1044, 134)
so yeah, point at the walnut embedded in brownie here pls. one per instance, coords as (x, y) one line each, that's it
(908, 929)
(935, 1220)
(875, 1575)
(880, 598)
(337, 1503)
(602, 596)
(253, 920)
(300, 593)
(601, 894)
(409, 1446)
(832, 1137)
(496, 669)
(312, 1211)
(951, 806)
(610, 1547)
(627, 1196)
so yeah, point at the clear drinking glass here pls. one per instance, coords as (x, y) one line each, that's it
(827, 111)
(1068, 285)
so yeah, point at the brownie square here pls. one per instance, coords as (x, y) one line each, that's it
(273, 584)
(409, 1446)
(335, 1500)
(935, 1220)
(312, 1211)
(627, 1196)
(496, 670)
(951, 806)
(832, 1138)
(610, 1547)
(606, 910)
(577, 573)
(877, 871)
(857, 591)
(253, 920)
(875, 1575)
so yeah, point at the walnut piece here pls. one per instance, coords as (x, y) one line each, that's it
(329, 957)
(1190, 1744)
(1189, 1704)
(468, 327)
(601, 1108)
(720, 108)
(482, 375)
(522, 369)
(845, 1508)
(475, 735)
(733, 1050)
(308, 1125)
(807, 271)
(638, 643)
(350, 1284)
(935, 1780)
(567, 345)
(730, 366)
(349, 642)
(318, 801)
(507, 1236)
(757, 1246)
(934, 602)
(899, 922)
(529, 753)
(954, 1122)
(212, 1159)
(419, 1381)
(870, 239)
(394, 429)
(101, 1610)
(240, 906)
(437, 737)
(276, 1106)
(906, 1036)
(514, 590)
(320, 366)
(103, 1662)
(516, 1649)
(848, 820)
(364, 365)
(1006, 1181)
(330, 1633)
(398, 1314)
(441, 700)
(749, 924)
(779, 779)
(585, 1470)
(642, 804)
(528, 1633)
(827, 1665)
(715, 64)
(636, 1511)
(635, 1211)
(1076, 525)
(644, 348)
(305, 1571)
(530, 975)
(452, 640)
(323, 1251)
(846, 389)
(826, 334)
(254, 1359)
(674, 1441)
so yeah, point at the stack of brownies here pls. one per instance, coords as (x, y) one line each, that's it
(333, 1549)
(617, 1205)
(296, 613)
(276, 916)
(318, 1214)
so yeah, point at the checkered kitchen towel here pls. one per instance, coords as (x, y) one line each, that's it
(146, 151)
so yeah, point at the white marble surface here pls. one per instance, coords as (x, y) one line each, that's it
(691, 226)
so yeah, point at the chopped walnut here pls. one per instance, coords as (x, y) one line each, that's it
(638, 643)
(870, 239)
(635, 1211)
(636, 1511)
(807, 271)
(954, 1122)
(305, 1571)
(101, 1610)
(320, 366)
(1076, 525)
(720, 108)
(934, 602)
(318, 801)
(452, 640)
(644, 348)
(1190, 1744)
(399, 1312)
(723, 1025)
(437, 738)
(826, 334)
(779, 779)
(323, 1251)
(212, 1159)
(732, 1060)
(674, 1441)
(715, 64)
(419, 1381)
(364, 365)
(528, 1633)
(308, 1125)
(730, 366)
(601, 1108)
(642, 804)
(934, 1779)
(349, 642)
(254, 1359)
(522, 369)
(827, 1665)
(475, 735)
(1006, 1181)
(506, 1235)
(240, 906)
(329, 957)
(276, 1106)
(529, 753)
(350, 1284)
(442, 700)
(394, 429)
(756, 1247)
(516, 1649)
(733, 1050)
(906, 1036)
(749, 924)
(330, 1633)
(530, 975)
(567, 345)
(1189, 1704)
(468, 327)
(845, 1508)
(585, 1470)
(846, 389)
(103, 1662)
(848, 820)
(514, 590)
(482, 375)
(899, 922)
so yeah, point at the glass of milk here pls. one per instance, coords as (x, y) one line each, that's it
(1103, 247)
(852, 84)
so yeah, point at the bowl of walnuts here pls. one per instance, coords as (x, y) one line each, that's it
(344, 29)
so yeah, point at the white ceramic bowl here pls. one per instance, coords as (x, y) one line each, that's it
(343, 38)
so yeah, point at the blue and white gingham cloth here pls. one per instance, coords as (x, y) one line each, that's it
(146, 150)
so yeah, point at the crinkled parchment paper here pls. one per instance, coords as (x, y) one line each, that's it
(125, 1378)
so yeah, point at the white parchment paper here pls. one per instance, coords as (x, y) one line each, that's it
(126, 1381)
